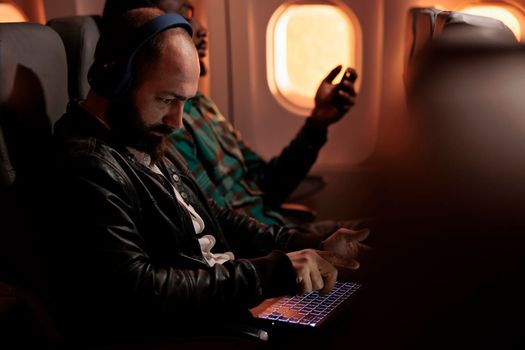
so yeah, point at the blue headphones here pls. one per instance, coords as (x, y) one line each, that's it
(112, 77)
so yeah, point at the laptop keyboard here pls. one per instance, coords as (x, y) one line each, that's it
(310, 308)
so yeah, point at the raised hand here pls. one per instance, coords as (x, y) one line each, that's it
(332, 102)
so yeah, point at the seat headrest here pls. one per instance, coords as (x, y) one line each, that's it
(432, 27)
(37, 62)
(33, 92)
(419, 32)
(79, 35)
(420, 28)
(467, 28)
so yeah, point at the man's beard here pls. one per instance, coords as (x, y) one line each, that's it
(130, 130)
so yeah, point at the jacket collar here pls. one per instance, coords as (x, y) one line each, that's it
(80, 122)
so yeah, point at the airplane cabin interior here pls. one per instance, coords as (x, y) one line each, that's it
(437, 129)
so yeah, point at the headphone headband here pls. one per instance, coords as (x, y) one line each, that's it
(158, 24)
(112, 78)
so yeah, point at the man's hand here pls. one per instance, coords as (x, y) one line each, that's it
(313, 272)
(346, 246)
(332, 102)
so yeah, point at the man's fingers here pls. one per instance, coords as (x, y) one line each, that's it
(339, 260)
(351, 264)
(362, 234)
(328, 274)
(353, 74)
(346, 98)
(329, 280)
(347, 87)
(317, 280)
(313, 272)
(304, 283)
(352, 235)
(333, 73)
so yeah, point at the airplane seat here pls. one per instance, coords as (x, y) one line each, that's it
(466, 168)
(428, 24)
(463, 26)
(79, 35)
(466, 112)
(32, 96)
(420, 30)
(456, 39)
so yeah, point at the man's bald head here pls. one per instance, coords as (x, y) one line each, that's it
(118, 38)
(165, 73)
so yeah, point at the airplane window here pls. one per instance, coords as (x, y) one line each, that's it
(304, 42)
(511, 16)
(9, 12)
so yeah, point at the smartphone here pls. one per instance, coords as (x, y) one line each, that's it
(349, 75)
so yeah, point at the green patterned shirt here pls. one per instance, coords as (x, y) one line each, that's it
(233, 174)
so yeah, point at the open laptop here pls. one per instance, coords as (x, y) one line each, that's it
(301, 312)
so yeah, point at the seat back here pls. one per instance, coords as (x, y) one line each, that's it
(467, 105)
(79, 35)
(420, 29)
(33, 95)
(455, 94)
(32, 91)
(428, 24)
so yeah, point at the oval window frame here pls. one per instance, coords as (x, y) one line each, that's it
(17, 8)
(276, 91)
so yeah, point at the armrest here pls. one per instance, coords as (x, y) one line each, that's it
(298, 213)
(310, 185)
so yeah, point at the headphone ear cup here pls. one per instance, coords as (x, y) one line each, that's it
(108, 78)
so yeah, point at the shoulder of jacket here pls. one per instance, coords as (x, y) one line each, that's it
(96, 155)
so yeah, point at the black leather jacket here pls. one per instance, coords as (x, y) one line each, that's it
(128, 256)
